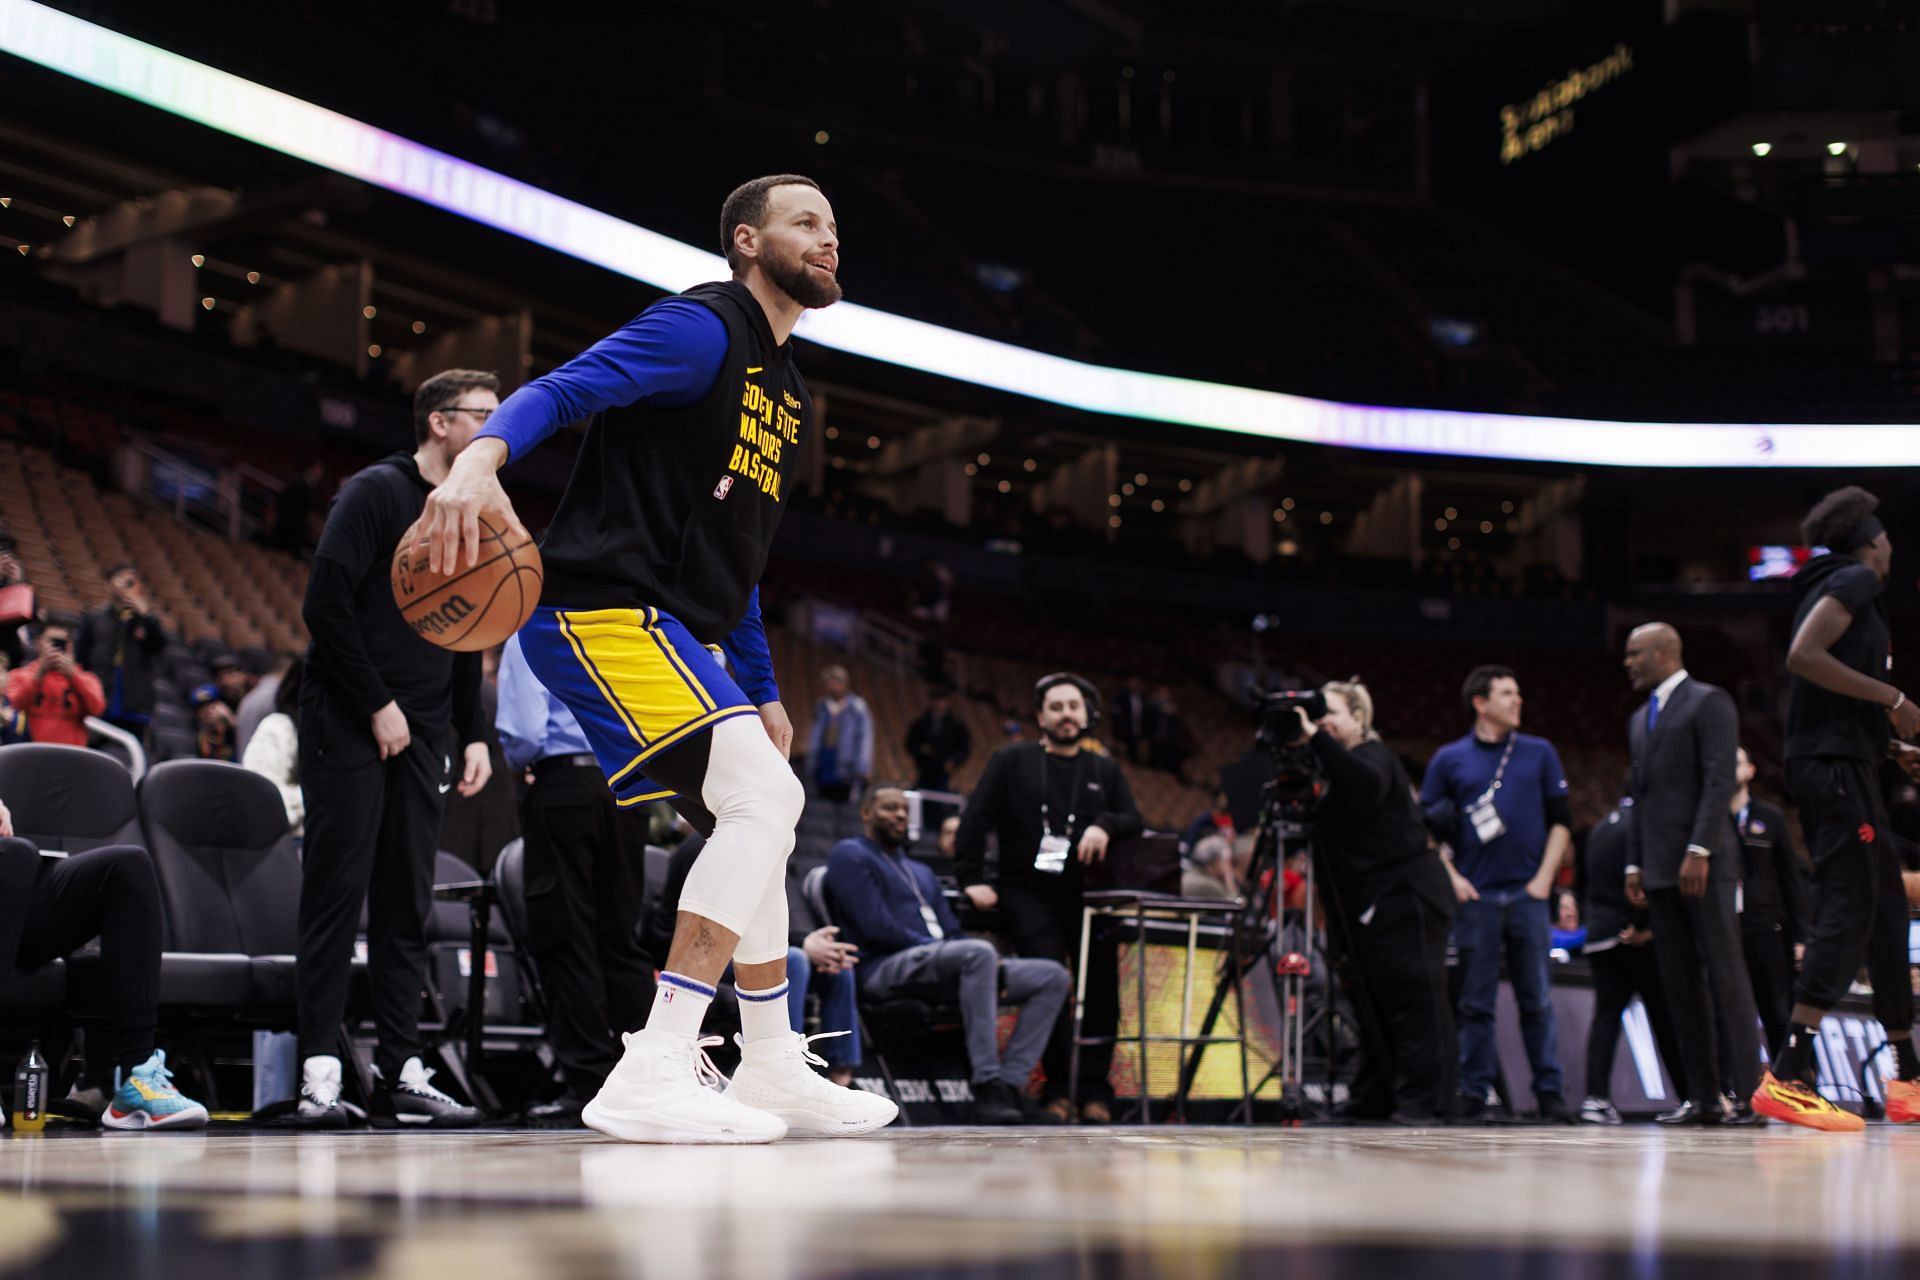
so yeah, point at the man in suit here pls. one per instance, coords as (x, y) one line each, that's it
(1684, 867)
(1773, 900)
(1619, 950)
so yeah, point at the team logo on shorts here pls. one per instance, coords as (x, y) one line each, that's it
(725, 487)
(1865, 833)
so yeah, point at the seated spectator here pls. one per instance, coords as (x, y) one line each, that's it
(273, 751)
(840, 748)
(892, 909)
(120, 642)
(53, 692)
(1217, 818)
(1569, 935)
(109, 894)
(213, 724)
(822, 962)
(262, 701)
(232, 680)
(1207, 870)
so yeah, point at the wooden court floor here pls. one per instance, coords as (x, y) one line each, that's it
(1199, 1202)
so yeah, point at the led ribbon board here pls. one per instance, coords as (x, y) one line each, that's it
(333, 141)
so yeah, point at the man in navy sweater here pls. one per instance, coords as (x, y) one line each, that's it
(891, 907)
(1503, 794)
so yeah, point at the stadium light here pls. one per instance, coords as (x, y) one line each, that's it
(343, 145)
(1762, 149)
(1836, 148)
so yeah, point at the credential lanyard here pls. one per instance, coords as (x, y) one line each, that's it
(927, 913)
(1046, 820)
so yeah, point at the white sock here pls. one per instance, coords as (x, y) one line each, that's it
(763, 1014)
(679, 1005)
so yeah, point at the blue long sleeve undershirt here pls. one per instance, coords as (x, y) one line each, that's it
(670, 355)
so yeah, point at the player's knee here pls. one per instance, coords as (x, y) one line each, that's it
(785, 798)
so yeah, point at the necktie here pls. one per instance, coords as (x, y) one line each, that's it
(1653, 712)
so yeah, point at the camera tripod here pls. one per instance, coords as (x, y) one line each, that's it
(1285, 822)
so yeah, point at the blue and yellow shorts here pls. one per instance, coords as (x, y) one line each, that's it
(638, 683)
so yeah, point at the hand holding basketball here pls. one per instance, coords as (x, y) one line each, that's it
(468, 608)
(450, 525)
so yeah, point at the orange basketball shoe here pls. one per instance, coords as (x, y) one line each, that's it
(1797, 1103)
(1903, 1101)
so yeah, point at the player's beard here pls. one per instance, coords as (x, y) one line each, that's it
(1065, 733)
(804, 285)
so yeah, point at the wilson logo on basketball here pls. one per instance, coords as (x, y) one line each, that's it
(468, 605)
(452, 611)
(1865, 833)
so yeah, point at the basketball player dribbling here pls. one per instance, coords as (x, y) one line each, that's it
(652, 569)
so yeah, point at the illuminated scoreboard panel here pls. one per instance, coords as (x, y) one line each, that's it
(333, 141)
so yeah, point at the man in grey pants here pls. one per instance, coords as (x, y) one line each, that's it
(891, 908)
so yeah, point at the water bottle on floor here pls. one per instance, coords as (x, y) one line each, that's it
(31, 1081)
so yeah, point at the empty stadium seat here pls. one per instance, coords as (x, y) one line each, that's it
(69, 799)
(229, 884)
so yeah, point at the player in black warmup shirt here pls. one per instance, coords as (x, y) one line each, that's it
(1840, 712)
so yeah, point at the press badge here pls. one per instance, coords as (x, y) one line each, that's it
(1486, 819)
(933, 922)
(1052, 858)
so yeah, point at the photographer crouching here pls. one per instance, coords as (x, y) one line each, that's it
(1394, 901)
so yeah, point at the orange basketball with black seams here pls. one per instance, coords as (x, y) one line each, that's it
(474, 606)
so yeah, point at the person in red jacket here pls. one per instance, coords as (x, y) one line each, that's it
(53, 692)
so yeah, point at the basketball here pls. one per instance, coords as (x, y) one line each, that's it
(474, 606)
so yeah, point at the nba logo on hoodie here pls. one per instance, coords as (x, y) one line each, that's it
(724, 487)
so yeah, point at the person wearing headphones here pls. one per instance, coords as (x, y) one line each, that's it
(1056, 807)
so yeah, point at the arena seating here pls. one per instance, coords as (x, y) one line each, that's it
(202, 585)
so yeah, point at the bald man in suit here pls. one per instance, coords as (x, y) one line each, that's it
(1684, 866)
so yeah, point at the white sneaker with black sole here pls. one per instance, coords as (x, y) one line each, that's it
(417, 1104)
(666, 1089)
(1598, 1111)
(777, 1075)
(319, 1106)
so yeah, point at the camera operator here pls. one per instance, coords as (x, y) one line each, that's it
(1054, 808)
(1394, 900)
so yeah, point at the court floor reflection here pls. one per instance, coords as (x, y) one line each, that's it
(1213, 1202)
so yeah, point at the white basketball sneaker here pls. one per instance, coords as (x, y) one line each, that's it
(777, 1076)
(666, 1089)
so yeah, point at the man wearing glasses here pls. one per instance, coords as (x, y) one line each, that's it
(381, 712)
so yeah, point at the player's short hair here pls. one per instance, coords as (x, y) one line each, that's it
(442, 391)
(1480, 682)
(1836, 519)
(747, 205)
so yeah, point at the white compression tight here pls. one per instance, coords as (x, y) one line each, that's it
(739, 879)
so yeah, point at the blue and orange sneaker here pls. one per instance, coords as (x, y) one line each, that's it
(1798, 1103)
(148, 1100)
